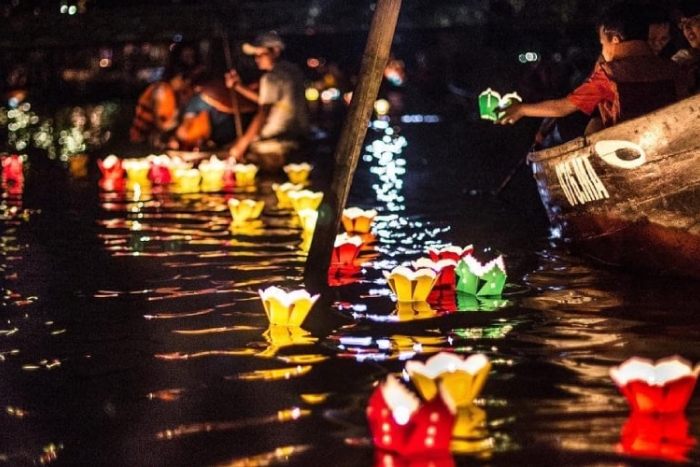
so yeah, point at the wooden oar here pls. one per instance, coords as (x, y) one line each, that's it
(545, 128)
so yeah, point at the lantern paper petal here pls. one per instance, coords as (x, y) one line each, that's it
(409, 285)
(461, 378)
(662, 387)
(298, 173)
(345, 249)
(287, 308)
(245, 174)
(452, 252)
(282, 192)
(305, 199)
(481, 279)
(245, 210)
(403, 424)
(357, 220)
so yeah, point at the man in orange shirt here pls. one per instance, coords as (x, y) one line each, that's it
(630, 80)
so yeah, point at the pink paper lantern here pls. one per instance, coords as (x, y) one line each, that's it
(160, 173)
(12, 169)
(404, 425)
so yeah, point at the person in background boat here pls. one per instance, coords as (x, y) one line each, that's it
(630, 80)
(208, 120)
(660, 31)
(281, 125)
(158, 108)
(689, 24)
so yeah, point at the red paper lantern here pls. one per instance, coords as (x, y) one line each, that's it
(12, 169)
(661, 387)
(452, 252)
(404, 425)
(345, 249)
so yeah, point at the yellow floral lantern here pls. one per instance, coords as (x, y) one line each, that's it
(409, 285)
(245, 210)
(461, 378)
(298, 173)
(357, 220)
(287, 308)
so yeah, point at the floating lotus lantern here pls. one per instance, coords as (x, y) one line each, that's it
(298, 173)
(160, 172)
(357, 220)
(112, 172)
(409, 285)
(444, 268)
(282, 192)
(660, 436)
(244, 210)
(308, 218)
(461, 378)
(401, 423)
(244, 174)
(305, 199)
(212, 170)
(480, 279)
(345, 249)
(137, 170)
(188, 181)
(661, 387)
(178, 167)
(452, 252)
(12, 169)
(287, 308)
(490, 101)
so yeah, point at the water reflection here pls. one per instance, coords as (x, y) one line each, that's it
(133, 326)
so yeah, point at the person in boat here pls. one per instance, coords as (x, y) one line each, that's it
(660, 31)
(281, 125)
(689, 24)
(628, 82)
(208, 120)
(159, 107)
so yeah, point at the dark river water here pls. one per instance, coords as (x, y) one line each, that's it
(133, 334)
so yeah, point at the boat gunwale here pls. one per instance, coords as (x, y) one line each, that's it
(622, 128)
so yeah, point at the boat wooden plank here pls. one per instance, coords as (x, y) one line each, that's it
(630, 194)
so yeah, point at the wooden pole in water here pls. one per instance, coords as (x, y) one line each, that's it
(353, 132)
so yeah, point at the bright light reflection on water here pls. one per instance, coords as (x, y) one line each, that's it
(133, 330)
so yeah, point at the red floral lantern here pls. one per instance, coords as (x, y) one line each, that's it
(404, 425)
(12, 169)
(661, 387)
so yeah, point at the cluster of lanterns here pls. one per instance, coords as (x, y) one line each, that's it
(423, 426)
(210, 175)
(422, 415)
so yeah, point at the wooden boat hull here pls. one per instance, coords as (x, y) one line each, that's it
(630, 195)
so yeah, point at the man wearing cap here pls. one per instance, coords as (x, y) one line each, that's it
(282, 121)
